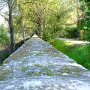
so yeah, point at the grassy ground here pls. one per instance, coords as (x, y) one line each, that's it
(80, 53)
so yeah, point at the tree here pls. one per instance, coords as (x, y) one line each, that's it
(85, 19)
(36, 9)
(11, 5)
(45, 18)
(39, 14)
(22, 21)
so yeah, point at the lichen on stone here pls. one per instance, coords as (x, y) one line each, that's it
(37, 65)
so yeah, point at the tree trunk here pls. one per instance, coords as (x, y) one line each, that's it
(77, 14)
(22, 22)
(11, 27)
(23, 31)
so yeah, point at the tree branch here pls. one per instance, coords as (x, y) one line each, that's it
(4, 17)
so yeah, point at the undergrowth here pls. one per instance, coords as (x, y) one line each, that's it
(80, 53)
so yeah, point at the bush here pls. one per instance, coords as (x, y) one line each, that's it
(73, 33)
(4, 39)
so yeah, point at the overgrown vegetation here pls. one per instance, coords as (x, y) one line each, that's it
(5, 44)
(46, 18)
(4, 37)
(80, 53)
(84, 20)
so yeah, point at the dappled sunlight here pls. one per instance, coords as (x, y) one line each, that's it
(74, 41)
(78, 51)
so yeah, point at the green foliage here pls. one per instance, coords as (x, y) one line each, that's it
(80, 53)
(43, 16)
(56, 21)
(17, 24)
(84, 23)
(4, 39)
(73, 33)
(86, 27)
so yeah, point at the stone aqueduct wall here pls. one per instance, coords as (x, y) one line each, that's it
(36, 65)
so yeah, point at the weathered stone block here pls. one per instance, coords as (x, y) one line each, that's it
(36, 65)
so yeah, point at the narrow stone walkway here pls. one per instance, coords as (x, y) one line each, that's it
(36, 65)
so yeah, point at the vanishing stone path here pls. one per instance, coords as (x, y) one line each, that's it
(36, 65)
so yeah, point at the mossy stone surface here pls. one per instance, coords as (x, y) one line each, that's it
(37, 65)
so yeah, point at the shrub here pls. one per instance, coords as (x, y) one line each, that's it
(4, 39)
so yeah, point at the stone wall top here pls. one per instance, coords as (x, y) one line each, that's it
(37, 65)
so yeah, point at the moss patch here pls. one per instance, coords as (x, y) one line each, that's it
(4, 74)
(42, 70)
(71, 70)
(23, 69)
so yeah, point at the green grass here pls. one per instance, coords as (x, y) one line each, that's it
(80, 53)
